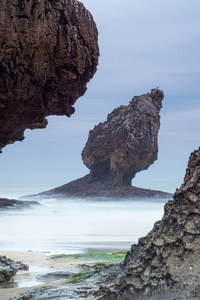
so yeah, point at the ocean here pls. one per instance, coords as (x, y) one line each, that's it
(78, 225)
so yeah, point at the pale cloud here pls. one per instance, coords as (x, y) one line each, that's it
(181, 126)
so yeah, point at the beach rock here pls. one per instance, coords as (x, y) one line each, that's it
(78, 292)
(8, 268)
(16, 204)
(168, 258)
(49, 52)
(58, 275)
(89, 288)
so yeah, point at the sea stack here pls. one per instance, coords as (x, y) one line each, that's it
(126, 143)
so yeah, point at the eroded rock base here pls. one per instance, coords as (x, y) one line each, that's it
(84, 188)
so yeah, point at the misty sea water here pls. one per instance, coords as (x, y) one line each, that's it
(78, 225)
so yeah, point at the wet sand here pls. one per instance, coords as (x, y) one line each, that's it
(36, 261)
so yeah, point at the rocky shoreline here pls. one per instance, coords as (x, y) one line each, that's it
(163, 265)
(83, 188)
(64, 273)
(12, 204)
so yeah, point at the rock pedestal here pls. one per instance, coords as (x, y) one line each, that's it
(127, 142)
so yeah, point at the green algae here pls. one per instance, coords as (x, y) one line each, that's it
(98, 259)
(78, 277)
(88, 271)
(111, 258)
(3, 275)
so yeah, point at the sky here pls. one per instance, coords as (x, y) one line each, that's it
(143, 44)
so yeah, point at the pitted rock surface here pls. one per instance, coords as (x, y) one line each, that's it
(48, 53)
(168, 258)
(127, 142)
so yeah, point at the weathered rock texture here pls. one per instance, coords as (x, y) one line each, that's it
(48, 53)
(8, 268)
(127, 142)
(167, 261)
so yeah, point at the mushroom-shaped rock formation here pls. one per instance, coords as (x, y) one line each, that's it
(117, 149)
(166, 262)
(127, 142)
(48, 53)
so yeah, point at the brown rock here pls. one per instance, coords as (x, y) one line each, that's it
(126, 143)
(48, 53)
(84, 188)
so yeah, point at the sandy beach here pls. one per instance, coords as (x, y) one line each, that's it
(36, 261)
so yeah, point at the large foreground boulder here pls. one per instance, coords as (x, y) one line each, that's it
(48, 53)
(166, 263)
